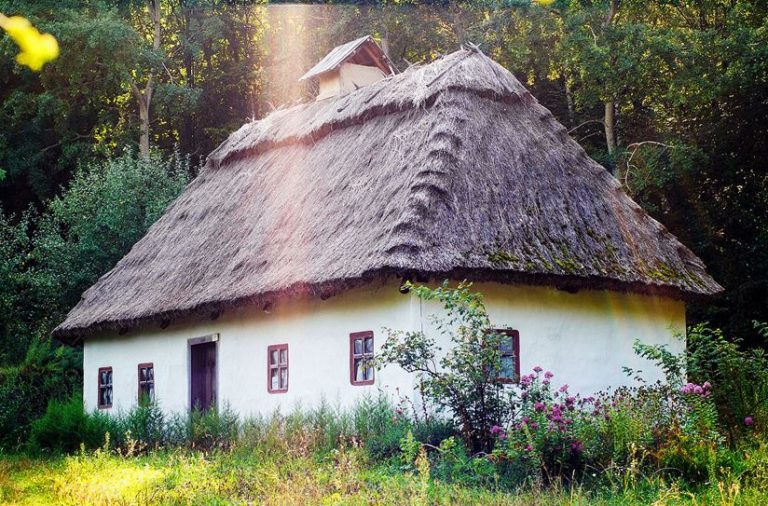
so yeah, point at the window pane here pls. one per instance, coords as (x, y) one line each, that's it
(283, 378)
(109, 377)
(369, 345)
(368, 373)
(273, 379)
(283, 356)
(151, 392)
(357, 370)
(103, 378)
(105, 396)
(273, 357)
(507, 344)
(143, 374)
(507, 367)
(151, 373)
(358, 346)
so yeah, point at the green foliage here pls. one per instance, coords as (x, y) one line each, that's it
(463, 381)
(739, 376)
(44, 269)
(47, 374)
(105, 210)
(65, 427)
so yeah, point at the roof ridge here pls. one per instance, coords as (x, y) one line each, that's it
(414, 88)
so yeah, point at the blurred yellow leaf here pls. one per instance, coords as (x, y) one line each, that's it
(544, 3)
(37, 48)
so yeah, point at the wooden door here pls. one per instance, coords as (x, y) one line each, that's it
(203, 376)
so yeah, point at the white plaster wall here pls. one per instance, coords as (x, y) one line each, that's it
(317, 333)
(348, 77)
(584, 338)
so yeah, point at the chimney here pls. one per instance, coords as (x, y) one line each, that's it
(349, 67)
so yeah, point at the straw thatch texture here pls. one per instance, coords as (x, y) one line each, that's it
(448, 170)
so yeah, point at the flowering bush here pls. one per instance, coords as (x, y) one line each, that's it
(556, 434)
(735, 378)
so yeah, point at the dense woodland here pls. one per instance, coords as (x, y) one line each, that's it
(671, 96)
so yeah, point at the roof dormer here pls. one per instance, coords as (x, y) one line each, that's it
(350, 66)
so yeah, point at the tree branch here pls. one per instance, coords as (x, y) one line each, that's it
(586, 123)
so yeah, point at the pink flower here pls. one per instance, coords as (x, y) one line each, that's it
(539, 406)
(529, 448)
(537, 369)
(496, 430)
(534, 425)
(577, 446)
(548, 375)
(564, 388)
(748, 421)
(545, 382)
(707, 385)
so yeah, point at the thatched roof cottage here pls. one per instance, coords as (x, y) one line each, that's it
(277, 268)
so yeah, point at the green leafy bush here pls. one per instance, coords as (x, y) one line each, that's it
(48, 373)
(739, 376)
(65, 426)
(463, 381)
(44, 269)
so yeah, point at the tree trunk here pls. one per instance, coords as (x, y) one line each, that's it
(610, 126)
(569, 101)
(144, 98)
(143, 128)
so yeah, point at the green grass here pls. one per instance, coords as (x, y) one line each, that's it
(345, 476)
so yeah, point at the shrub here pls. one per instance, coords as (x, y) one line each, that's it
(47, 374)
(559, 436)
(45, 267)
(739, 377)
(144, 424)
(209, 430)
(65, 426)
(463, 382)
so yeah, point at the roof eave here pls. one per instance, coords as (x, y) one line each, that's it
(571, 284)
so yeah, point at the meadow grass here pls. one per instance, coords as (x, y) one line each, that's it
(345, 476)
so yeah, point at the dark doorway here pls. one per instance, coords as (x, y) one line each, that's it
(203, 376)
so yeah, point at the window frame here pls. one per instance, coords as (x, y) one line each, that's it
(515, 335)
(278, 366)
(145, 365)
(352, 338)
(99, 387)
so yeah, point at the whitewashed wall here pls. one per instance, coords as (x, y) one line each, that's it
(584, 338)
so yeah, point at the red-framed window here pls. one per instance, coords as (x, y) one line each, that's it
(277, 368)
(361, 358)
(509, 355)
(146, 383)
(105, 387)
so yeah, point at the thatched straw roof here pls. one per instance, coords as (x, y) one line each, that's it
(451, 169)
